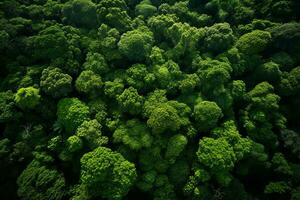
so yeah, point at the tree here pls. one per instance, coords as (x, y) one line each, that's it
(27, 98)
(289, 83)
(113, 88)
(114, 13)
(141, 39)
(175, 146)
(145, 8)
(133, 134)
(38, 181)
(8, 108)
(90, 134)
(254, 42)
(61, 49)
(139, 77)
(88, 82)
(213, 74)
(164, 117)
(207, 114)
(268, 72)
(130, 101)
(106, 174)
(159, 24)
(81, 13)
(71, 112)
(96, 63)
(168, 75)
(262, 115)
(219, 37)
(216, 154)
(189, 83)
(184, 38)
(55, 83)
(286, 37)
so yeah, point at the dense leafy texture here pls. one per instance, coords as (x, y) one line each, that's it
(149, 99)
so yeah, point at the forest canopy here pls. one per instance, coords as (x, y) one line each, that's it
(150, 99)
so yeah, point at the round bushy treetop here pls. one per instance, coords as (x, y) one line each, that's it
(139, 77)
(130, 101)
(268, 72)
(286, 37)
(159, 24)
(188, 83)
(71, 112)
(4, 39)
(207, 114)
(216, 154)
(81, 13)
(38, 182)
(213, 74)
(107, 174)
(290, 83)
(238, 89)
(219, 37)
(56, 45)
(55, 83)
(164, 117)
(74, 143)
(136, 45)
(90, 133)
(88, 82)
(96, 63)
(253, 42)
(8, 109)
(114, 13)
(27, 97)
(145, 8)
(175, 146)
(153, 99)
(134, 134)
(113, 88)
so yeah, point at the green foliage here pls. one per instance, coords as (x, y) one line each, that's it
(145, 8)
(81, 13)
(54, 82)
(150, 99)
(130, 101)
(254, 42)
(96, 63)
(219, 37)
(289, 83)
(106, 174)
(8, 108)
(38, 182)
(74, 143)
(61, 48)
(286, 37)
(262, 114)
(133, 134)
(216, 154)
(113, 88)
(89, 132)
(207, 114)
(71, 112)
(277, 187)
(168, 116)
(27, 98)
(114, 13)
(176, 145)
(88, 82)
(141, 39)
(139, 77)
